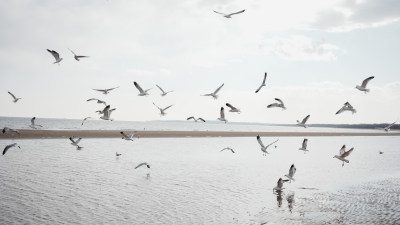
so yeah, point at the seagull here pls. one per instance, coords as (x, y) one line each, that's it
(163, 92)
(85, 119)
(56, 56)
(346, 107)
(387, 128)
(231, 14)
(117, 154)
(222, 115)
(6, 129)
(292, 171)
(98, 101)
(107, 113)
(128, 137)
(76, 142)
(142, 93)
(263, 83)
(279, 185)
(78, 56)
(304, 146)
(143, 164)
(10, 146)
(105, 91)
(195, 120)
(227, 148)
(278, 105)
(162, 110)
(33, 125)
(264, 148)
(15, 100)
(214, 94)
(303, 122)
(363, 86)
(343, 154)
(233, 109)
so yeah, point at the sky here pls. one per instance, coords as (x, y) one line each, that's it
(315, 53)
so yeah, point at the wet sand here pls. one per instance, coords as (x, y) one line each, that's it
(33, 134)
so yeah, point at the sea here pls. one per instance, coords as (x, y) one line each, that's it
(191, 181)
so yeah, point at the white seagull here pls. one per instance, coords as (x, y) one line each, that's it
(195, 120)
(83, 121)
(387, 128)
(303, 122)
(15, 100)
(143, 164)
(107, 113)
(142, 93)
(105, 91)
(292, 171)
(363, 86)
(304, 146)
(162, 110)
(263, 147)
(222, 115)
(10, 146)
(76, 142)
(227, 148)
(56, 56)
(128, 137)
(231, 14)
(7, 129)
(98, 101)
(346, 107)
(279, 185)
(343, 154)
(77, 57)
(278, 105)
(263, 83)
(163, 92)
(214, 94)
(233, 109)
(33, 125)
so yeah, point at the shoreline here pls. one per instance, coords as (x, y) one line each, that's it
(53, 134)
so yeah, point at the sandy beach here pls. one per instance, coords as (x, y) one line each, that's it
(33, 134)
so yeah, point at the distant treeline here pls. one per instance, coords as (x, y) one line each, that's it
(358, 126)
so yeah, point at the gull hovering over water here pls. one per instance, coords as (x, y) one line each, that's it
(227, 148)
(222, 115)
(162, 110)
(346, 107)
(77, 57)
(10, 146)
(303, 122)
(107, 113)
(387, 128)
(279, 186)
(163, 92)
(143, 164)
(343, 154)
(214, 94)
(76, 142)
(278, 105)
(56, 56)
(142, 93)
(233, 109)
(15, 100)
(105, 91)
(263, 83)
(128, 137)
(98, 101)
(33, 125)
(363, 86)
(263, 147)
(230, 14)
(292, 171)
(304, 146)
(195, 120)
(7, 129)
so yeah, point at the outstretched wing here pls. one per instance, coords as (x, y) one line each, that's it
(138, 87)
(201, 119)
(292, 170)
(365, 82)
(280, 101)
(222, 113)
(342, 150)
(340, 110)
(219, 13)
(54, 54)
(190, 118)
(259, 141)
(123, 134)
(305, 119)
(263, 83)
(272, 105)
(141, 164)
(236, 12)
(33, 121)
(216, 91)
(272, 143)
(112, 88)
(160, 89)
(344, 155)
(12, 95)
(230, 106)
(304, 145)
(167, 107)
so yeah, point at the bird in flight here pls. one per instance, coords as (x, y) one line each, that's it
(263, 147)
(214, 94)
(279, 186)
(107, 113)
(83, 121)
(222, 115)
(15, 100)
(230, 14)
(98, 101)
(363, 86)
(227, 148)
(163, 92)
(303, 122)
(56, 56)
(143, 164)
(105, 91)
(33, 125)
(304, 146)
(233, 109)
(195, 120)
(162, 110)
(142, 92)
(77, 57)
(10, 146)
(75, 142)
(343, 154)
(387, 128)
(263, 83)
(278, 105)
(347, 107)
(128, 137)
(292, 171)
(7, 129)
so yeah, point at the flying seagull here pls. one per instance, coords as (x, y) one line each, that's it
(363, 86)
(7, 129)
(98, 101)
(222, 115)
(33, 125)
(162, 110)
(347, 107)
(343, 154)
(263, 147)
(304, 146)
(279, 185)
(387, 128)
(195, 120)
(15, 100)
(83, 121)
(128, 137)
(163, 92)
(143, 164)
(107, 113)
(142, 93)
(56, 56)
(105, 91)
(229, 15)
(214, 94)
(263, 83)
(77, 57)
(233, 109)
(227, 148)
(303, 122)
(76, 142)
(10, 146)
(292, 171)
(278, 105)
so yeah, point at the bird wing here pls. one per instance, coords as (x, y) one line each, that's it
(93, 98)
(201, 119)
(72, 140)
(263, 83)
(12, 95)
(390, 125)
(272, 105)
(123, 134)
(236, 13)
(280, 101)
(305, 143)
(111, 88)
(342, 150)
(259, 89)
(292, 170)
(259, 141)
(102, 90)
(345, 154)
(160, 89)
(230, 106)
(340, 110)
(222, 113)
(82, 56)
(132, 134)
(219, 13)
(167, 107)
(33, 121)
(190, 118)
(138, 87)
(54, 54)
(272, 143)
(216, 91)
(141, 164)
(77, 141)
(157, 106)
(365, 82)
(72, 51)
(8, 147)
(279, 183)
(305, 119)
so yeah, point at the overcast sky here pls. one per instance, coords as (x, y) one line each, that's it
(315, 53)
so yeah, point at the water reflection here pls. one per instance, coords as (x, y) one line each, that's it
(279, 198)
(290, 200)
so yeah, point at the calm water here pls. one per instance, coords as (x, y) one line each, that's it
(191, 182)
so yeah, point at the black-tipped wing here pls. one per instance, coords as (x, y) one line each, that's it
(201, 119)
(365, 82)
(304, 145)
(12, 95)
(222, 112)
(345, 154)
(342, 150)
(191, 118)
(160, 89)
(305, 119)
(241, 11)
(138, 87)
(292, 170)
(259, 141)
(280, 101)
(263, 83)
(230, 106)
(54, 54)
